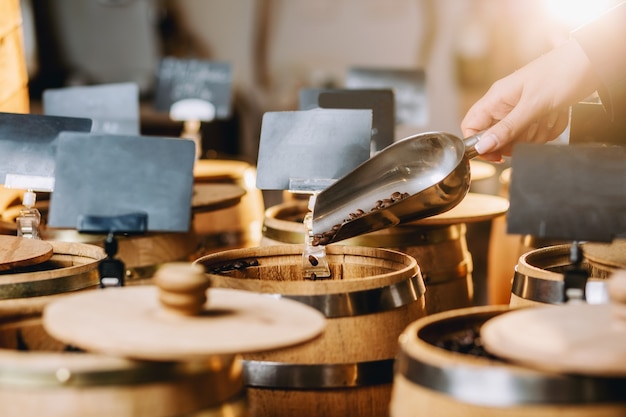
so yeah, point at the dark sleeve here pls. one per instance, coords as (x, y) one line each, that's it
(604, 43)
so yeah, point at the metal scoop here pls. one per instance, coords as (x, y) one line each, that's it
(430, 171)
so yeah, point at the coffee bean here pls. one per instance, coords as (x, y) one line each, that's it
(466, 341)
(327, 237)
(235, 265)
(313, 260)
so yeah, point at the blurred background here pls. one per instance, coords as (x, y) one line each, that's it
(278, 47)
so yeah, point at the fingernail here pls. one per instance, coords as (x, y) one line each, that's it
(487, 143)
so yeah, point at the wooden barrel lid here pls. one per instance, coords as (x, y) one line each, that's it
(145, 324)
(206, 197)
(481, 170)
(18, 252)
(206, 170)
(475, 207)
(215, 196)
(572, 338)
(609, 254)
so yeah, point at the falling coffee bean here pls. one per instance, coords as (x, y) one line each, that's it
(313, 260)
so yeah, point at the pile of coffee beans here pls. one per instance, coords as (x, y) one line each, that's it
(465, 341)
(233, 266)
(327, 237)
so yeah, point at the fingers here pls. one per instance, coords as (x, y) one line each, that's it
(500, 138)
(549, 127)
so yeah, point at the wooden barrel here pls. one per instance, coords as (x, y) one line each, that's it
(439, 244)
(233, 227)
(441, 371)
(538, 276)
(8, 228)
(371, 296)
(503, 253)
(43, 377)
(13, 71)
(141, 254)
(505, 250)
(24, 292)
(604, 258)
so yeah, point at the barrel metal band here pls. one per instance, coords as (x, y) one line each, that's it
(536, 289)
(549, 291)
(49, 286)
(413, 236)
(492, 386)
(363, 302)
(283, 236)
(31, 377)
(262, 374)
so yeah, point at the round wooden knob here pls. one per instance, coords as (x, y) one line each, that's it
(182, 287)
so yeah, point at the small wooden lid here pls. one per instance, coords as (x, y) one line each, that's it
(210, 197)
(18, 252)
(572, 338)
(612, 255)
(208, 170)
(165, 323)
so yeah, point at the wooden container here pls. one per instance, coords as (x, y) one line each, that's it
(142, 254)
(505, 250)
(371, 296)
(13, 71)
(24, 292)
(433, 381)
(440, 250)
(604, 258)
(43, 377)
(7, 228)
(538, 276)
(233, 227)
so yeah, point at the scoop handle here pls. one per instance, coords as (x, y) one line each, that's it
(470, 145)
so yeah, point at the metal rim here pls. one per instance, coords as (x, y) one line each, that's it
(73, 370)
(492, 383)
(263, 374)
(358, 303)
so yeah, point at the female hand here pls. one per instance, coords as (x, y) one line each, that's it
(531, 104)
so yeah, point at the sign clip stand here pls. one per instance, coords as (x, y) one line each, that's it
(575, 276)
(111, 269)
(314, 261)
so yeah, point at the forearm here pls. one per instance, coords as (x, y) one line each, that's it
(604, 43)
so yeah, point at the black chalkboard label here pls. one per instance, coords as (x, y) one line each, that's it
(568, 192)
(408, 85)
(182, 79)
(381, 101)
(105, 175)
(28, 143)
(317, 144)
(113, 108)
